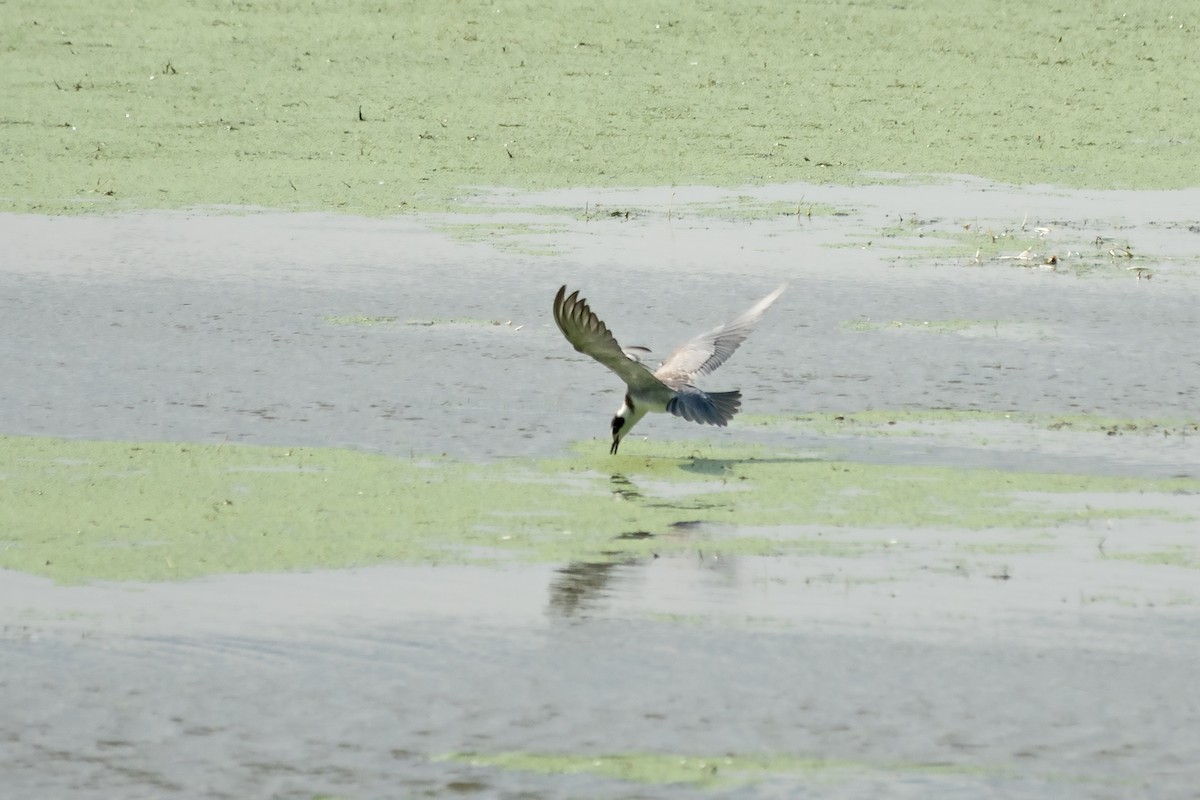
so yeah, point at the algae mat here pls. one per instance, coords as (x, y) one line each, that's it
(78, 511)
(380, 108)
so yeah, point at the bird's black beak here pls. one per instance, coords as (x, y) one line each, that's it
(616, 443)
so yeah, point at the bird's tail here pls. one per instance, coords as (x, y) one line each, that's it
(695, 405)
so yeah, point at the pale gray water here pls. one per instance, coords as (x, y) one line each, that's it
(1062, 683)
(347, 683)
(216, 328)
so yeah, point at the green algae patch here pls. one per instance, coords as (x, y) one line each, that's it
(78, 511)
(471, 321)
(1054, 247)
(1005, 548)
(907, 422)
(359, 319)
(98, 510)
(389, 107)
(1178, 556)
(648, 768)
(745, 209)
(717, 771)
(528, 238)
(925, 325)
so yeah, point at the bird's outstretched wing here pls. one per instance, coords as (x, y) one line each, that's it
(706, 352)
(584, 330)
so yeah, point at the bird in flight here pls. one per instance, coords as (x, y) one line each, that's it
(668, 388)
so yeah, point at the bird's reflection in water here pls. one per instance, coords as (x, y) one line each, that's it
(580, 587)
(582, 590)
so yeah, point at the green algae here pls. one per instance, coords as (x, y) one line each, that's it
(969, 328)
(908, 422)
(359, 319)
(744, 208)
(1004, 548)
(77, 510)
(926, 325)
(731, 769)
(388, 107)
(515, 237)
(1178, 556)
(472, 321)
(649, 768)
(1057, 247)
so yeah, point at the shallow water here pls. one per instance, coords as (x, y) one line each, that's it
(393, 336)
(353, 684)
(951, 663)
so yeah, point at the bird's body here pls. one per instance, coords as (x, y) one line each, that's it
(670, 387)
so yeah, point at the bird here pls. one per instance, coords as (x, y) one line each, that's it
(670, 387)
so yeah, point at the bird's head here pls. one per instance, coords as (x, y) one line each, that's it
(625, 418)
(618, 428)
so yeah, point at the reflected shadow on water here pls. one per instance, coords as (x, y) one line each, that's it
(580, 587)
